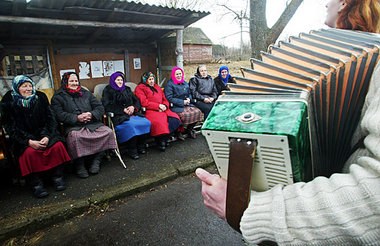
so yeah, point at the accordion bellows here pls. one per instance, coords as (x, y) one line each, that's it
(326, 71)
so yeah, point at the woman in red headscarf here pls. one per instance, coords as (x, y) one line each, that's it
(177, 92)
(81, 114)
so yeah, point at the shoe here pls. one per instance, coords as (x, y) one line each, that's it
(180, 136)
(134, 156)
(40, 191)
(59, 184)
(95, 165)
(81, 170)
(161, 146)
(192, 134)
(141, 151)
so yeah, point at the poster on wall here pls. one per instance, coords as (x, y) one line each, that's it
(136, 63)
(119, 66)
(61, 72)
(96, 69)
(84, 70)
(108, 68)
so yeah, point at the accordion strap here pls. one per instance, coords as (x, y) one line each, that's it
(240, 170)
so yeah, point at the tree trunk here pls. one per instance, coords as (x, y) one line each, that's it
(261, 35)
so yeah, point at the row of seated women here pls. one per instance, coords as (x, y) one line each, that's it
(40, 148)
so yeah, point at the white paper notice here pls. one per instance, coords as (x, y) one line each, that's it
(84, 70)
(119, 66)
(136, 63)
(61, 72)
(96, 69)
(108, 68)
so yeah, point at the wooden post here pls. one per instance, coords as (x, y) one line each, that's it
(126, 66)
(52, 66)
(179, 48)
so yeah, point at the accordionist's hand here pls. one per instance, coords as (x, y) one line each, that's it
(214, 191)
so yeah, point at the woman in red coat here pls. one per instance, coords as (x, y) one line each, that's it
(163, 121)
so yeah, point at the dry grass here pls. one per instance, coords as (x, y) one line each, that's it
(213, 68)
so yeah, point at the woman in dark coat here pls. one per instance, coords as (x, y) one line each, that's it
(203, 90)
(178, 94)
(130, 124)
(163, 120)
(81, 114)
(222, 79)
(33, 132)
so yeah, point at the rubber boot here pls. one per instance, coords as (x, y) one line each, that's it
(57, 178)
(81, 170)
(95, 165)
(38, 188)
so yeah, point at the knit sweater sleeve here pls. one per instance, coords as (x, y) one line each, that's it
(341, 210)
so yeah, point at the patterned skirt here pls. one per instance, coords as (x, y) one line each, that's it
(135, 126)
(84, 142)
(32, 160)
(190, 115)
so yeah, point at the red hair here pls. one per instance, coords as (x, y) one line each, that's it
(363, 15)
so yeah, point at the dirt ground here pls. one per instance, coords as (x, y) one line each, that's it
(213, 68)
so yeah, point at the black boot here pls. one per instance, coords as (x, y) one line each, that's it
(38, 188)
(161, 143)
(57, 178)
(132, 150)
(190, 131)
(180, 136)
(95, 165)
(40, 191)
(80, 169)
(133, 154)
(141, 146)
(59, 183)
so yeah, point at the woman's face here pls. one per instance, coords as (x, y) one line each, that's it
(73, 82)
(151, 81)
(26, 89)
(178, 75)
(224, 73)
(203, 71)
(119, 81)
(333, 7)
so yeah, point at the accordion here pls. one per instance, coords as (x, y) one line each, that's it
(294, 111)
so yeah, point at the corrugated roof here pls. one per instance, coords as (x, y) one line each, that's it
(90, 21)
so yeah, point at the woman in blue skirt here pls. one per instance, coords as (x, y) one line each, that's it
(130, 124)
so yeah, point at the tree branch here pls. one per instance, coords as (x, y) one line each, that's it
(285, 17)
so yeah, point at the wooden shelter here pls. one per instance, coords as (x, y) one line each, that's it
(44, 38)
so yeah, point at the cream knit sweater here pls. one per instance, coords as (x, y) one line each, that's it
(341, 210)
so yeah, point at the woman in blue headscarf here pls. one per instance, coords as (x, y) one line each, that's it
(130, 125)
(35, 140)
(222, 79)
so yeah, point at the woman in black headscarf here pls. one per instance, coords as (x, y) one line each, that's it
(32, 129)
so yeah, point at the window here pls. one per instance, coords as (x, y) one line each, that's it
(17, 65)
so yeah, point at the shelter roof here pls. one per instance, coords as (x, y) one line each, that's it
(90, 21)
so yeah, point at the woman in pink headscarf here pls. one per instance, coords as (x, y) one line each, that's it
(178, 94)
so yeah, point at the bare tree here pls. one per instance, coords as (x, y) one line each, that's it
(261, 35)
(241, 16)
